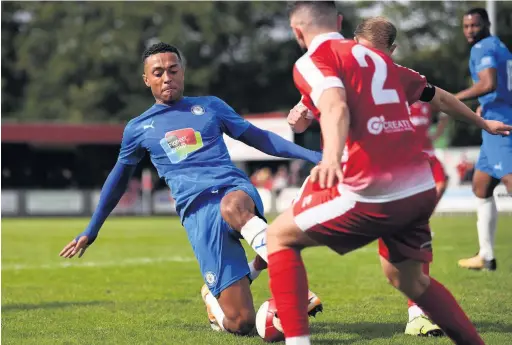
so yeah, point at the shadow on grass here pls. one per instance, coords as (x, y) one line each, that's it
(50, 305)
(498, 327)
(373, 331)
(360, 330)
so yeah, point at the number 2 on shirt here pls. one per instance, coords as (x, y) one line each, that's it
(379, 94)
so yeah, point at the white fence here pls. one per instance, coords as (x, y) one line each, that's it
(457, 199)
(82, 203)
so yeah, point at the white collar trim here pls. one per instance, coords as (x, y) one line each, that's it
(319, 39)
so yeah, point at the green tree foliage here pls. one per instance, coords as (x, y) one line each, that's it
(13, 80)
(80, 61)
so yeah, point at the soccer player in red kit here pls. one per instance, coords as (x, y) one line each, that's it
(380, 34)
(385, 190)
(422, 114)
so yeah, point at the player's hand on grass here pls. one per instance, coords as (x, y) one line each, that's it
(297, 113)
(327, 173)
(497, 127)
(76, 246)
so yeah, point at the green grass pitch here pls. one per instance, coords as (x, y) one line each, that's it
(139, 284)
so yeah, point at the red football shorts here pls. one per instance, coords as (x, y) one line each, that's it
(437, 169)
(344, 224)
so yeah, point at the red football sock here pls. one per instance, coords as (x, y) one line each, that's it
(439, 304)
(259, 263)
(426, 270)
(289, 285)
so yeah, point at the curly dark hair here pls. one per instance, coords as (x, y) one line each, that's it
(160, 47)
(482, 12)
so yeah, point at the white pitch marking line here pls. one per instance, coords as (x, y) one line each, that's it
(68, 263)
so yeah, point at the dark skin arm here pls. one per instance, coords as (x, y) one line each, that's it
(485, 85)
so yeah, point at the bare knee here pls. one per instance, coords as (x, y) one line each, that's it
(483, 185)
(480, 191)
(228, 209)
(410, 286)
(242, 323)
(406, 276)
(238, 307)
(237, 208)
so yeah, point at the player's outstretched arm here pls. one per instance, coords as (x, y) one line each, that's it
(270, 143)
(335, 124)
(111, 193)
(450, 105)
(274, 145)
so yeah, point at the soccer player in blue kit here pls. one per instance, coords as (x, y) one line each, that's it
(216, 201)
(490, 64)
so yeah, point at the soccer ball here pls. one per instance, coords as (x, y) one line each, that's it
(268, 324)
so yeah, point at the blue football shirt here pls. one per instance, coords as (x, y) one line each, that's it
(186, 145)
(492, 53)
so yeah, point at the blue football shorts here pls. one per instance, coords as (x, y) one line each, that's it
(222, 259)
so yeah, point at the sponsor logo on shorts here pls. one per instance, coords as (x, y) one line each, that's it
(210, 278)
(378, 124)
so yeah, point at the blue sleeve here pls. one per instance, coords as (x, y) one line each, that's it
(483, 56)
(275, 145)
(131, 151)
(231, 123)
(111, 193)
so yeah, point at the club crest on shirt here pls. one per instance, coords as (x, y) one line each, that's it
(197, 110)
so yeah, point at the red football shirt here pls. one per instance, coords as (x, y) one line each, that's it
(421, 117)
(384, 159)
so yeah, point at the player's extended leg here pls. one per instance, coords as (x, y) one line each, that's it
(419, 324)
(223, 265)
(487, 214)
(288, 278)
(439, 304)
(239, 210)
(233, 310)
